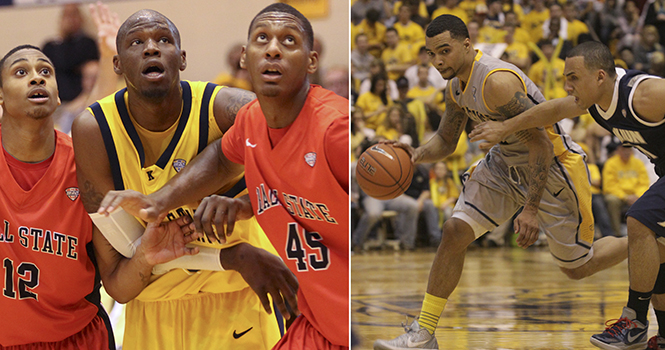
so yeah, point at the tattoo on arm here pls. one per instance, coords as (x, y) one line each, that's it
(236, 101)
(539, 161)
(450, 128)
(91, 198)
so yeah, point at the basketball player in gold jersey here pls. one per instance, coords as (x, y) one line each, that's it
(138, 139)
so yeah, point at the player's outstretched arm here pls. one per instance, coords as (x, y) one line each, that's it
(161, 242)
(543, 114)
(444, 142)
(503, 93)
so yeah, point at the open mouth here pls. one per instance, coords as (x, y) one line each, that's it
(153, 71)
(39, 96)
(271, 75)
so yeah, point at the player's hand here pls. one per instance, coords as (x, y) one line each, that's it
(266, 274)
(216, 211)
(526, 225)
(133, 202)
(165, 241)
(490, 132)
(107, 24)
(408, 148)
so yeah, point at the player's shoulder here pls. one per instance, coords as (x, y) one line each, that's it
(329, 102)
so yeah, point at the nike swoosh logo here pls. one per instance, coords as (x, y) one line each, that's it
(632, 338)
(415, 345)
(456, 92)
(238, 335)
(557, 193)
(662, 223)
(247, 143)
(644, 299)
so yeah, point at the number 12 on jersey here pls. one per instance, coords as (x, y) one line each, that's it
(295, 250)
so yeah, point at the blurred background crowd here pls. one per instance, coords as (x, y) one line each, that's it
(397, 95)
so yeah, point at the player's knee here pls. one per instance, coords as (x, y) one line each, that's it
(452, 237)
(576, 273)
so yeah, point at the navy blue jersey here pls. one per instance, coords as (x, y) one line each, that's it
(622, 121)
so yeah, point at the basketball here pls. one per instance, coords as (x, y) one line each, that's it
(384, 172)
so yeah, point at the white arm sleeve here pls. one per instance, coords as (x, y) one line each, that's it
(124, 233)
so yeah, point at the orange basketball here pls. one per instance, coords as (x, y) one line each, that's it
(384, 171)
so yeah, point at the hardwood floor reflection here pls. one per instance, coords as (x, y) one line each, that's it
(507, 298)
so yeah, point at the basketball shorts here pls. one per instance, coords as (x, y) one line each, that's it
(95, 336)
(496, 189)
(303, 336)
(649, 209)
(233, 320)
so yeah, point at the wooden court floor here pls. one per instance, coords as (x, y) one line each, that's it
(508, 298)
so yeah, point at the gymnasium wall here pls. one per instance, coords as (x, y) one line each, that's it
(207, 27)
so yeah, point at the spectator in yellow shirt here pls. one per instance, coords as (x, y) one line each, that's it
(516, 53)
(374, 29)
(575, 26)
(392, 128)
(375, 102)
(409, 32)
(443, 190)
(533, 21)
(450, 7)
(625, 179)
(396, 55)
(521, 35)
(547, 73)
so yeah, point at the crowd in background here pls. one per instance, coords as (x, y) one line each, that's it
(397, 95)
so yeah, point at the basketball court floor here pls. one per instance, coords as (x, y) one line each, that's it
(508, 298)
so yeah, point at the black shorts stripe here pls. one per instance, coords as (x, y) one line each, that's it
(111, 151)
(577, 202)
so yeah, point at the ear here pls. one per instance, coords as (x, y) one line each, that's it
(243, 55)
(59, 102)
(313, 62)
(601, 76)
(183, 56)
(2, 99)
(117, 67)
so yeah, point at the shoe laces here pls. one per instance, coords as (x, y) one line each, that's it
(406, 325)
(615, 326)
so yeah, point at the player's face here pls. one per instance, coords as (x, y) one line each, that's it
(580, 82)
(149, 57)
(446, 54)
(277, 55)
(28, 85)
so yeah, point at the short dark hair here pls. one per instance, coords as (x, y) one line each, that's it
(11, 52)
(122, 31)
(596, 56)
(285, 8)
(373, 15)
(447, 23)
(392, 29)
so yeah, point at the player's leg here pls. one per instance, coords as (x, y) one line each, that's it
(443, 278)
(479, 209)
(657, 342)
(302, 335)
(607, 252)
(565, 208)
(645, 255)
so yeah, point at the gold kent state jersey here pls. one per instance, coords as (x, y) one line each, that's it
(195, 129)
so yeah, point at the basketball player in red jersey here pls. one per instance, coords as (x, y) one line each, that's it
(50, 294)
(293, 141)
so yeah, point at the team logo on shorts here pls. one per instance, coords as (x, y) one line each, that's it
(310, 158)
(72, 193)
(179, 164)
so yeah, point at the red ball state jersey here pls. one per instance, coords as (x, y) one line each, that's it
(46, 270)
(300, 204)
